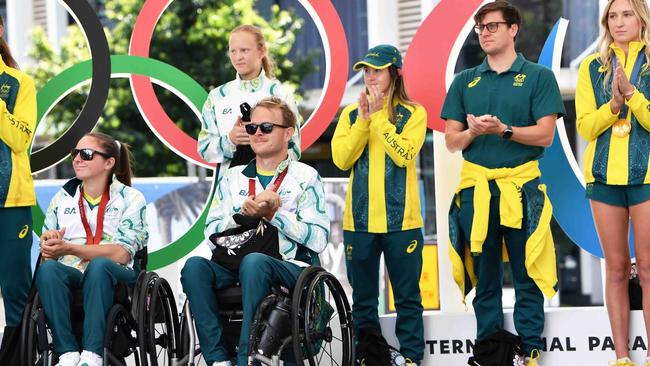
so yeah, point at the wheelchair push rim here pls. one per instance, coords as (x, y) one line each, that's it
(322, 326)
(37, 340)
(157, 322)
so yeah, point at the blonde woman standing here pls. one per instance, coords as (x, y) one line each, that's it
(613, 115)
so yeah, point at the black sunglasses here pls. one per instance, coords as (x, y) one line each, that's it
(265, 127)
(87, 154)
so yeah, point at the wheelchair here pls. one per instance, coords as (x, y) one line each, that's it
(143, 323)
(318, 332)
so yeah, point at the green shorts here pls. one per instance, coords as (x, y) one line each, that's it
(624, 196)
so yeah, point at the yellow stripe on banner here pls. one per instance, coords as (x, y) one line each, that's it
(617, 161)
(429, 284)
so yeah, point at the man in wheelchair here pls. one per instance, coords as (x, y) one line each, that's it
(93, 227)
(265, 219)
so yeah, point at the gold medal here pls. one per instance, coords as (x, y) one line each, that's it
(621, 128)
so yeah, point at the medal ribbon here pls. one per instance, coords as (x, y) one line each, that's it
(277, 182)
(99, 227)
(640, 60)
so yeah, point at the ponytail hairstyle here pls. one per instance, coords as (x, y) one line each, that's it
(267, 62)
(5, 52)
(118, 150)
(396, 90)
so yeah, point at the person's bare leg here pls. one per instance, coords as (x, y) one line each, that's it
(612, 224)
(640, 215)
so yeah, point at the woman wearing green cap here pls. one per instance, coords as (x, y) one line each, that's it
(378, 138)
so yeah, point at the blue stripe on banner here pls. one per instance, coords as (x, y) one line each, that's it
(566, 192)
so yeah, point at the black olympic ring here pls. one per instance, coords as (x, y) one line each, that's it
(97, 96)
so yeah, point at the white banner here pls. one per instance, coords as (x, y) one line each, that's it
(573, 336)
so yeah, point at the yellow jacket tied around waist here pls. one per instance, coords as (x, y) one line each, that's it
(512, 183)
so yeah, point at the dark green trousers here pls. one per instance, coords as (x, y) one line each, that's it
(529, 300)
(257, 273)
(403, 256)
(56, 283)
(15, 260)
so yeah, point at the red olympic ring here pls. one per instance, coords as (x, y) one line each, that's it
(425, 65)
(334, 41)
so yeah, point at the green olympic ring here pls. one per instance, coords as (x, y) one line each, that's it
(173, 79)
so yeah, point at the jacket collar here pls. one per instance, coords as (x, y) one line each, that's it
(71, 187)
(516, 67)
(252, 85)
(250, 170)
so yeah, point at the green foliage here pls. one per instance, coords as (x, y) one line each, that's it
(192, 36)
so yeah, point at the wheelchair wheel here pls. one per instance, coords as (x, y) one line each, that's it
(120, 341)
(157, 322)
(188, 339)
(322, 320)
(36, 343)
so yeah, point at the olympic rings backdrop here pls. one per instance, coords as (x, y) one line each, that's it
(425, 72)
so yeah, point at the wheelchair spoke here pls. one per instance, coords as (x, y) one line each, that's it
(337, 338)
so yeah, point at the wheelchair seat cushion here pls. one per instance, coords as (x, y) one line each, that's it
(229, 296)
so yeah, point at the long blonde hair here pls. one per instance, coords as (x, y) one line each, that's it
(267, 62)
(605, 53)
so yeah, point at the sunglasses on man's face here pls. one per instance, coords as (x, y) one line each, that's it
(87, 154)
(265, 127)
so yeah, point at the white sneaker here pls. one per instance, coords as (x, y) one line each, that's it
(222, 363)
(90, 359)
(68, 359)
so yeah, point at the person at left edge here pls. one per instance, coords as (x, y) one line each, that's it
(17, 124)
(91, 249)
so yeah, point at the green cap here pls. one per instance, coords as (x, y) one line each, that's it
(380, 57)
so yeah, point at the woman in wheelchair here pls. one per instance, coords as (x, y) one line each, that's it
(93, 227)
(290, 199)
